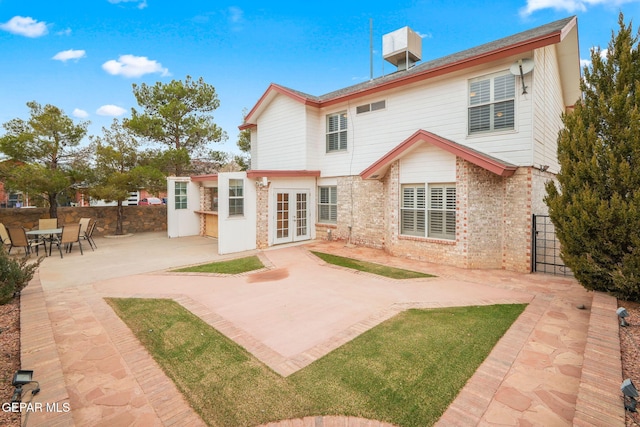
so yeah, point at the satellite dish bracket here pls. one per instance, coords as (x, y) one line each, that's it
(522, 67)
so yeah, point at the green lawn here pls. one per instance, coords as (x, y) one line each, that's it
(370, 267)
(405, 371)
(234, 266)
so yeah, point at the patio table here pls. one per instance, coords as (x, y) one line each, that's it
(40, 234)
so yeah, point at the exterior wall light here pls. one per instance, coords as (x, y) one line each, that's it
(630, 393)
(622, 313)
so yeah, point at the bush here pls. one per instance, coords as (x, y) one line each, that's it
(14, 275)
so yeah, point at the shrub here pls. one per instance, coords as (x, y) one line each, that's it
(14, 274)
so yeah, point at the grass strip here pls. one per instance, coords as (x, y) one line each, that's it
(370, 267)
(405, 371)
(234, 266)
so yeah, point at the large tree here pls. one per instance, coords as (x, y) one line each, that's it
(117, 170)
(244, 144)
(47, 147)
(595, 204)
(177, 115)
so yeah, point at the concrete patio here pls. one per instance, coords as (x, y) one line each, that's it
(557, 366)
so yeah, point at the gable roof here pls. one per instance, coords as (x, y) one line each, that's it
(545, 35)
(379, 168)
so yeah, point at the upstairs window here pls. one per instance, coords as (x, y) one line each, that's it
(374, 106)
(337, 132)
(491, 103)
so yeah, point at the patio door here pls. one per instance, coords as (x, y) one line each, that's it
(291, 216)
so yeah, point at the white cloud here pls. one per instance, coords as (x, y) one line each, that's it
(587, 62)
(425, 35)
(570, 6)
(66, 55)
(25, 26)
(236, 15)
(110, 110)
(141, 3)
(133, 66)
(66, 32)
(81, 114)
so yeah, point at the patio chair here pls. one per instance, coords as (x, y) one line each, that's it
(84, 225)
(4, 235)
(70, 235)
(88, 234)
(47, 223)
(18, 237)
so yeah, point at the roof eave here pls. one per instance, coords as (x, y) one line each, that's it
(378, 168)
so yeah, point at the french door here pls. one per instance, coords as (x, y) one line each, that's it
(291, 216)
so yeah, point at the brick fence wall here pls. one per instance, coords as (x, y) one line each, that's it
(137, 219)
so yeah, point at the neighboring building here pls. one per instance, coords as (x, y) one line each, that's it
(445, 161)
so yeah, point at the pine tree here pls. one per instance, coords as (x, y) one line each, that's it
(595, 203)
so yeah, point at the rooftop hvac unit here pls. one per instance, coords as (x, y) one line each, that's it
(402, 48)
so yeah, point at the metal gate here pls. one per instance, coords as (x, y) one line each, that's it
(546, 248)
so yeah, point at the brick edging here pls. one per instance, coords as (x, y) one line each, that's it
(39, 353)
(599, 401)
(328, 421)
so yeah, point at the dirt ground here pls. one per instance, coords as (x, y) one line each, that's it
(630, 352)
(9, 357)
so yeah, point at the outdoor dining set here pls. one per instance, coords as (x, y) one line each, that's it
(49, 232)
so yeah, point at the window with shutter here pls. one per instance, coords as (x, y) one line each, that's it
(412, 212)
(337, 131)
(492, 103)
(328, 204)
(442, 211)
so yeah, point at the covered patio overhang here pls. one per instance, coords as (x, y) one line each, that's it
(379, 168)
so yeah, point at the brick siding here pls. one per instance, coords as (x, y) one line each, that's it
(493, 221)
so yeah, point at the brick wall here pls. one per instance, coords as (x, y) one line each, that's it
(137, 219)
(493, 222)
(516, 252)
(262, 216)
(483, 214)
(361, 206)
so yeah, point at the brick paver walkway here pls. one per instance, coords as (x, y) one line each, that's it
(288, 316)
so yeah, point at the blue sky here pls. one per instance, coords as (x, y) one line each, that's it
(83, 56)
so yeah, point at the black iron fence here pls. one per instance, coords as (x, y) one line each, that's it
(546, 248)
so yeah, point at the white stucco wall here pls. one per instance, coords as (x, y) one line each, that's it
(183, 222)
(236, 233)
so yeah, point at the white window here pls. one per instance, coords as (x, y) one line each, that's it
(412, 210)
(442, 211)
(433, 216)
(337, 132)
(236, 197)
(374, 106)
(328, 204)
(492, 103)
(180, 195)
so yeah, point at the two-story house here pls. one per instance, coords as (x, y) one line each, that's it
(444, 161)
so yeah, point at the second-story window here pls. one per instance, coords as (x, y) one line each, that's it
(337, 132)
(492, 103)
